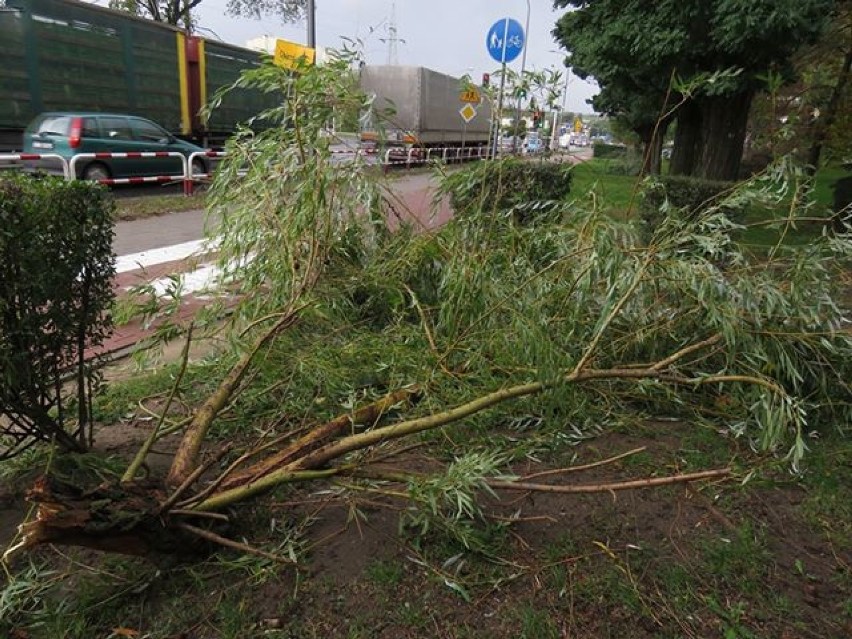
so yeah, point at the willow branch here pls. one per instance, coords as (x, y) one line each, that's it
(230, 543)
(186, 459)
(235, 495)
(303, 469)
(193, 477)
(590, 350)
(369, 414)
(142, 453)
(611, 487)
(575, 469)
(671, 359)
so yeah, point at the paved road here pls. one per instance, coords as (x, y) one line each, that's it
(413, 195)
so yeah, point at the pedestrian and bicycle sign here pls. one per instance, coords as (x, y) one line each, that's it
(505, 40)
(471, 95)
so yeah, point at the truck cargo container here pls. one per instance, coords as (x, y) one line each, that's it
(65, 55)
(420, 107)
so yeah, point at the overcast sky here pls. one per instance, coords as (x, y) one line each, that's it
(445, 35)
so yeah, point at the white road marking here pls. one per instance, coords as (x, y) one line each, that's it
(152, 257)
(205, 277)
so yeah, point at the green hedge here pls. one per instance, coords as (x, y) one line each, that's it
(56, 274)
(687, 196)
(601, 150)
(524, 189)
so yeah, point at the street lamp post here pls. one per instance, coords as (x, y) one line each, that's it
(312, 24)
(523, 68)
(556, 116)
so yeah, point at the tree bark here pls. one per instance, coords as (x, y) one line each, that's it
(652, 149)
(723, 129)
(824, 124)
(687, 139)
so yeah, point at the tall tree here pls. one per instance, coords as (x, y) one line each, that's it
(832, 56)
(633, 47)
(179, 12)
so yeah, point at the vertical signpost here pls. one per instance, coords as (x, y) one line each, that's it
(505, 41)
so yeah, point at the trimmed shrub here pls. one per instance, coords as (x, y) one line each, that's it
(687, 196)
(525, 190)
(56, 272)
(602, 150)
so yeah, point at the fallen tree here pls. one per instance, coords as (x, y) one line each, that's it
(351, 341)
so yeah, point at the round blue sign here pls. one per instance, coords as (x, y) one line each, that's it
(505, 40)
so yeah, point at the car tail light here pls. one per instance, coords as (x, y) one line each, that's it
(76, 132)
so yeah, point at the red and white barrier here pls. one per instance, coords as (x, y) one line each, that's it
(72, 167)
(189, 176)
(37, 156)
(390, 157)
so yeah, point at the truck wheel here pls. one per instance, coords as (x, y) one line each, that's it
(96, 171)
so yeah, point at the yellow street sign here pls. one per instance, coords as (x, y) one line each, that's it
(287, 53)
(471, 96)
(578, 125)
(467, 112)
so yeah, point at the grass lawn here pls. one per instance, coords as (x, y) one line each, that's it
(613, 191)
(619, 194)
(135, 208)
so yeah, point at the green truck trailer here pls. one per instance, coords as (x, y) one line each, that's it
(64, 55)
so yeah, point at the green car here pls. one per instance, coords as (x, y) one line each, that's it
(68, 134)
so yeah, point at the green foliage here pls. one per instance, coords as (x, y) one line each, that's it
(525, 191)
(56, 270)
(652, 65)
(602, 150)
(685, 196)
(448, 502)
(288, 211)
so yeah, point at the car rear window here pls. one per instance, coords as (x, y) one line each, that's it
(116, 128)
(53, 125)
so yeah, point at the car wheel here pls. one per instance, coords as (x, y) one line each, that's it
(198, 167)
(95, 172)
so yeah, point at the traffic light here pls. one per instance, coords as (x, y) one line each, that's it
(486, 79)
(538, 118)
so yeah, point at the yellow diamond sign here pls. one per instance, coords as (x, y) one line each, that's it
(467, 112)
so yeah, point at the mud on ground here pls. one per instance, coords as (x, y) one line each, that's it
(770, 558)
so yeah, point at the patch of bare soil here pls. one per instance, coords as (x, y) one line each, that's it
(700, 560)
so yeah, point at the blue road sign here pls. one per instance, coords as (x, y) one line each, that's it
(505, 40)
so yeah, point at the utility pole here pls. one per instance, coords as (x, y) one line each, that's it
(523, 68)
(312, 24)
(393, 38)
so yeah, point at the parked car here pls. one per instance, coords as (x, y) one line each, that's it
(68, 134)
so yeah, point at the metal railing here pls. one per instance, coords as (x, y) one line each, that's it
(31, 157)
(132, 155)
(394, 157)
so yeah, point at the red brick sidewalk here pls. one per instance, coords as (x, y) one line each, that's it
(412, 206)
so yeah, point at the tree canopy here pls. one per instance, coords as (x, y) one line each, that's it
(179, 12)
(714, 55)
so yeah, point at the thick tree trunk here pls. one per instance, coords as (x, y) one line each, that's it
(652, 149)
(687, 139)
(824, 124)
(723, 130)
